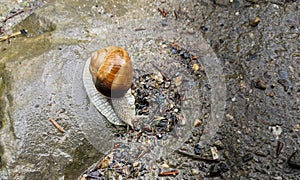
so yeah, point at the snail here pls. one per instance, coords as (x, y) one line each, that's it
(107, 78)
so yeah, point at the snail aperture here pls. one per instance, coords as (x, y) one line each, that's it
(107, 78)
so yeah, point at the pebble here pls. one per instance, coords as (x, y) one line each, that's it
(260, 84)
(159, 136)
(195, 172)
(285, 83)
(296, 127)
(174, 50)
(173, 163)
(185, 164)
(294, 160)
(195, 67)
(203, 28)
(135, 164)
(105, 161)
(191, 31)
(165, 166)
(197, 149)
(247, 157)
(164, 22)
(197, 122)
(229, 117)
(218, 169)
(185, 55)
(219, 145)
(214, 153)
(254, 22)
(276, 130)
(283, 74)
(178, 81)
(261, 153)
(279, 148)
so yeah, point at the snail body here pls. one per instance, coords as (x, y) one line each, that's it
(107, 78)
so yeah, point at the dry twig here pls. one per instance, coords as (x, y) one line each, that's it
(57, 126)
(195, 157)
(169, 173)
(6, 37)
(13, 15)
(162, 12)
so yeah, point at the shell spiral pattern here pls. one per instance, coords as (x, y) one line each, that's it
(100, 102)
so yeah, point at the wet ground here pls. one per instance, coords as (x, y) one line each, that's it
(256, 44)
(268, 52)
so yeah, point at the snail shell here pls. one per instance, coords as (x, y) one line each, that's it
(111, 70)
(107, 78)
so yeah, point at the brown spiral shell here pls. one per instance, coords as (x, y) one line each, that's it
(111, 71)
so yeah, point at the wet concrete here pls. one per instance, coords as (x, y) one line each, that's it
(39, 83)
(251, 53)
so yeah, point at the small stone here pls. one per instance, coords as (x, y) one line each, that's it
(84, 177)
(164, 22)
(178, 81)
(283, 74)
(218, 169)
(191, 31)
(229, 117)
(296, 127)
(185, 55)
(159, 136)
(158, 77)
(279, 147)
(276, 130)
(174, 50)
(173, 163)
(148, 142)
(233, 99)
(260, 84)
(214, 153)
(195, 67)
(247, 157)
(165, 166)
(254, 22)
(185, 164)
(195, 172)
(135, 164)
(285, 83)
(203, 28)
(197, 122)
(294, 160)
(197, 149)
(261, 153)
(167, 84)
(105, 161)
(219, 145)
